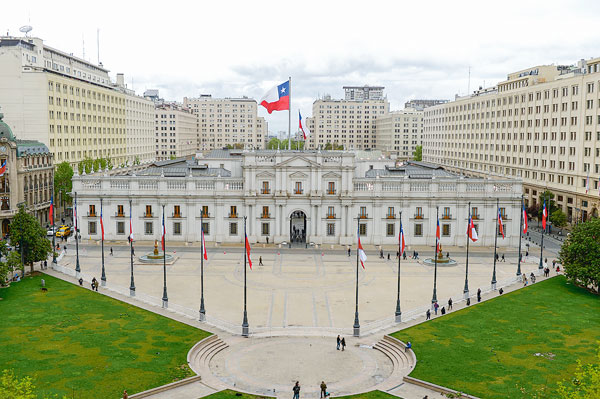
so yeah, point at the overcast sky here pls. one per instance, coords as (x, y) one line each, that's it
(230, 48)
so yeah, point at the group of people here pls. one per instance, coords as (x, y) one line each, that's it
(341, 342)
(323, 386)
(436, 306)
(94, 283)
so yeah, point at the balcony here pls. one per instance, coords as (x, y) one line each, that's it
(363, 216)
(330, 192)
(148, 215)
(265, 191)
(265, 215)
(300, 191)
(232, 215)
(475, 217)
(390, 216)
(92, 214)
(119, 215)
(330, 216)
(419, 216)
(176, 215)
(447, 216)
(205, 215)
(504, 216)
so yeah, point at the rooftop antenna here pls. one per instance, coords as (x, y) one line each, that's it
(25, 29)
(98, 43)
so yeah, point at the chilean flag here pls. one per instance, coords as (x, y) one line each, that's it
(304, 133)
(101, 224)
(361, 252)
(500, 225)
(524, 220)
(544, 216)
(130, 227)
(164, 232)
(471, 231)
(247, 252)
(203, 245)
(587, 182)
(52, 208)
(3, 169)
(401, 238)
(437, 236)
(278, 98)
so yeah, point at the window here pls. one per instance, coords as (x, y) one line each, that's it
(298, 188)
(205, 213)
(390, 229)
(419, 213)
(390, 213)
(330, 212)
(503, 213)
(265, 229)
(177, 211)
(92, 228)
(148, 228)
(446, 214)
(418, 229)
(206, 228)
(233, 229)
(330, 229)
(120, 211)
(233, 213)
(363, 212)
(445, 230)
(331, 188)
(265, 212)
(92, 210)
(474, 213)
(265, 187)
(177, 228)
(120, 227)
(148, 213)
(362, 229)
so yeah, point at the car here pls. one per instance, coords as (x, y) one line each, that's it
(63, 231)
(50, 232)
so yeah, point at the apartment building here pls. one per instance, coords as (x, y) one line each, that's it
(361, 93)
(176, 131)
(541, 124)
(139, 124)
(400, 132)
(69, 104)
(422, 104)
(348, 123)
(227, 122)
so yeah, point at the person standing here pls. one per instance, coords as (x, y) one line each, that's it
(125, 396)
(343, 344)
(338, 342)
(503, 260)
(93, 283)
(323, 389)
(435, 307)
(111, 252)
(45, 264)
(348, 251)
(443, 311)
(260, 261)
(450, 304)
(296, 390)
(428, 315)
(478, 294)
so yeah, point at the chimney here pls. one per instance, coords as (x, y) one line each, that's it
(120, 80)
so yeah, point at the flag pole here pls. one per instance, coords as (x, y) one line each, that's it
(466, 289)
(290, 114)
(53, 230)
(77, 267)
(520, 236)
(165, 298)
(132, 284)
(245, 326)
(103, 278)
(356, 321)
(541, 266)
(434, 297)
(202, 310)
(398, 313)
(496, 242)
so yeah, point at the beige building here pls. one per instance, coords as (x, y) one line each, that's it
(65, 102)
(541, 124)
(361, 93)
(227, 122)
(176, 131)
(400, 132)
(28, 180)
(351, 124)
(139, 124)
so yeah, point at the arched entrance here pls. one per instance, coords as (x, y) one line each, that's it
(298, 227)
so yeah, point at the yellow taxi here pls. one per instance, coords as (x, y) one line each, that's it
(63, 231)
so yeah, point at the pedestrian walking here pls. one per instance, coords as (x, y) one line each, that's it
(65, 248)
(469, 301)
(443, 311)
(323, 389)
(381, 253)
(435, 308)
(428, 314)
(343, 344)
(501, 291)
(93, 283)
(125, 396)
(260, 261)
(348, 251)
(404, 255)
(111, 252)
(296, 390)
(80, 281)
(45, 264)
(478, 294)
(397, 254)
(388, 256)
(503, 260)
(450, 304)
(497, 257)
(338, 340)
(554, 263)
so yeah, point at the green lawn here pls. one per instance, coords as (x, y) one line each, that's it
(489, 349)
(79, 343)
(227, 394)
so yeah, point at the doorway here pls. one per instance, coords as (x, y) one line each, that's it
(298, 227)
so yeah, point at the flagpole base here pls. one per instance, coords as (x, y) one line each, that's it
(201, 316)
(245, 331)
(466, 295)
(132, 292)
(398, 318)
(103, 283)
(493, 286)
(356, 331)
(165, 303)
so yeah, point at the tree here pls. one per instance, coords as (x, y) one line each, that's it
(418, 154)
(333, 147)
(26, 231)
(547, 196)
(580, 254)
(63, 180)
(585, 384)
(274, 144)
(558, 218)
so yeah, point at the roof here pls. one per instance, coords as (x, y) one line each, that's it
(183, 171)
(412, 170)
(234, 153)
(31, 147)
(5, 130)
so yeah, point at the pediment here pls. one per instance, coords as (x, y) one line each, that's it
(332, 175)
(265, 175)
(298, 175)
(298, 161)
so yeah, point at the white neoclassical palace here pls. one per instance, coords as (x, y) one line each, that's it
(324, 197)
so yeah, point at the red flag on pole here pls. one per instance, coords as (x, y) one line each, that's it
(248, 252)
(204, 246)
(500, 225)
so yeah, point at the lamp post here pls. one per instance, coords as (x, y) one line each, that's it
(398, 313)
(202, 310)
(53, 231)
(496, 243)
(77, 266)
(435, 256)
(466, 289)
(165, 298)
(103, 277)
(520, 236)
(245, 325)
(356, 326)
(132, 284)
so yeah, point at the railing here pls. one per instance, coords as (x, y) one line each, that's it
(475, 217)
(233, 215)
(119, 215)
(148, 215)
(298, 191)
(504, 217)
(205, 214)
(92, 214)
(176, 215)
(265, 191)
(265, 216)
(390, 216)
(330, 192)
(418, 216)
(363, 216)
(331, 216)
(447, 216)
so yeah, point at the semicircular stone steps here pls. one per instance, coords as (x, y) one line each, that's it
(404, 361)
(200, 355)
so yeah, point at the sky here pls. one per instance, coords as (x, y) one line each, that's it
(417, 49)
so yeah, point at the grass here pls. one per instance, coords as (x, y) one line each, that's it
(228, 394)
(79, 343)
(489, 349)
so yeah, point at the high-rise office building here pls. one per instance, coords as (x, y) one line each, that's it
(400, 132)
(361, 93)
(176, 129)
